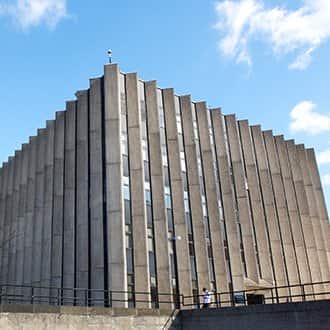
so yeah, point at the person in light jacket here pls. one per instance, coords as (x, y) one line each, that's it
(206, 298)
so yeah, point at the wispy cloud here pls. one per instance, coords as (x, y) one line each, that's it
(323, 157)
(32, 13)
(326, 180)
(299, 32)
(306, 119)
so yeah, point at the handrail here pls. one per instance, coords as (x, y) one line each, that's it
(10, 293)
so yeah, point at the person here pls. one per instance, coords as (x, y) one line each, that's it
(206, 298)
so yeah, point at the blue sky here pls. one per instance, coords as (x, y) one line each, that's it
(266, 61)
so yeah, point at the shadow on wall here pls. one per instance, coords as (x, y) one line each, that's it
(173, 322)
(292, 316)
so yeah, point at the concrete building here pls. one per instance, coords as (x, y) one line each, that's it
(137, 190)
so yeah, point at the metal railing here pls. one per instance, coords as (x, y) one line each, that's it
(267, 295)
(23, 294)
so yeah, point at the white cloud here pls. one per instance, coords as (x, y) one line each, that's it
(326, 180)
(323, 157)
(297, 32)
(31, 13)
(306, 119)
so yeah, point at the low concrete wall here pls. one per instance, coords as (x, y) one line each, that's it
(28, 317)
(291, 316)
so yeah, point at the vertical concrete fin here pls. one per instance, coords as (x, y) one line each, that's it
(38, 208)
(114, 173)
(255, 201)
(138, 202)
(22, 202)
(320, 200)
(313, 212)
(46, 242)
(282, 212)
(160, 224)
(69, 217)
(291, 201)
(14, 220)
(82, 194)
(304, 212)
(174, 148)
(97, 271)
(211, 194)
(3, 190)
(260, 144)
(29, 213)
(199, 229)
(227, 193)
(58, 191)
(242, 200)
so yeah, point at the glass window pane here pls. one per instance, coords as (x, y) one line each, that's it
(183, 165)
(193, 269)
(129, 241)
(172, 266)
(186, 205)
(124, 144)
(206, 221)
(129, 260)
(148, 196)
(126, 192)
(149, 215)
(166, 176)
(146, 172)
(170, 220)
(127, 212)
(125, 166)
(152, 266)
(188, 222)
(123, 124)
(144, 131)
(209, 251)
(191, 249)
(211, 270)
(153, 282)
(130, 280)
(168, 201)
(150, 244)
(227, 253)
(181, 143)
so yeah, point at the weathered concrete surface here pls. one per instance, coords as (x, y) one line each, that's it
(157, 187)
(180, 228)
(293, 316)
(228, 196)
(26, 317)
(216, 235)
(194, 193)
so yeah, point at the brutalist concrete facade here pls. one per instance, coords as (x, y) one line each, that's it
(135, 189)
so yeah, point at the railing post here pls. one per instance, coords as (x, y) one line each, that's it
(58, 296)
(303, 292)
(216, 299)
(32, 295)
(110, 298)
(177, 301)
(86, 297)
